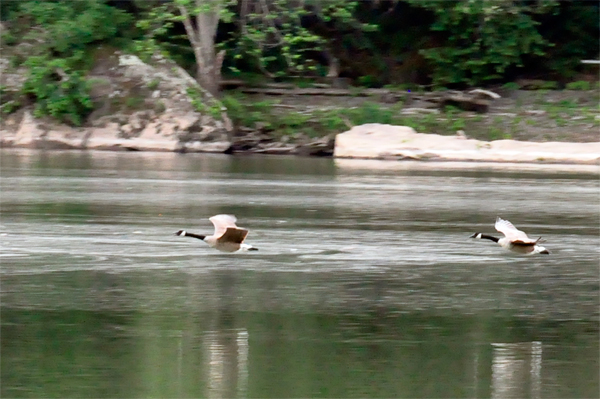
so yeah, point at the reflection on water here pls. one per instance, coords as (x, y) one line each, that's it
(228, 363)
(365, 285)
(516, 367)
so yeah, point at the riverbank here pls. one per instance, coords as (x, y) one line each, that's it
(369, 141)
(159, 107)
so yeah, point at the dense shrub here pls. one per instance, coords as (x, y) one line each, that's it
(483, 39)
(57, 90)
(53, 40)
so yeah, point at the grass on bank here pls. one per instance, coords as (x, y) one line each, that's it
(281, 120)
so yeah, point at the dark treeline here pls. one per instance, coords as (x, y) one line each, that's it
(372, 43)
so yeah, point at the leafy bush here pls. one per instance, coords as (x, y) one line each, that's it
(65, 27)
(8, 101)
(57, 90)
(579, 85)
(511, 86)
(249, 114)
(482, 39)
(204, 104)
(287, 37)
(54, 39)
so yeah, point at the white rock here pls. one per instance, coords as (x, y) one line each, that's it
(215, 146)
(488, 93)
(103, 137)
(537, 112)
(66, 137)
(169, 129)
(29, 131)
(150, 130)
(145, 130)
(187, 121)
(150, 139)
(386, 141)
(131, 60)
(127, 129)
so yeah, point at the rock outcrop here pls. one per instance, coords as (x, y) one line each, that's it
(160, 114)
(378, 141)
(143, 107)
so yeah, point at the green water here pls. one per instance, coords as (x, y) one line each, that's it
(365, 284)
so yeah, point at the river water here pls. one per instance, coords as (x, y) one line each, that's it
(365, 283)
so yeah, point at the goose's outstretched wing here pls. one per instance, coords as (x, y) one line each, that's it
(512, 233)
(233, 235)
(222, 222)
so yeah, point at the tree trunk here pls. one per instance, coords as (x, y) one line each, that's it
(202, 39)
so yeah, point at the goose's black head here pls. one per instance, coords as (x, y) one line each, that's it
(484, 236)
(186, 234)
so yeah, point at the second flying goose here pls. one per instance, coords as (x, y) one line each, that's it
(514, 240)
(227, 236)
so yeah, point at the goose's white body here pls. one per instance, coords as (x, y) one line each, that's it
(514, 239)
(227, 236)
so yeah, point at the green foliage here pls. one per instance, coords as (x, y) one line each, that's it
(242, 112)
(205, 105)
(252, 114)
(275, 41)
(579, 85)
(458, 124)
(495, 133)
(548, 85)
(370, 112)
(511, 86)
(484, 38)
(369, 81)
(134, 102)
(332, 122)
(470, 42)
(560, 122)
(573, 30)
(55, 38)
(156, 21)
(153, 84)
(57, 90)
(8, 102)
(64, 28)
(568, 104)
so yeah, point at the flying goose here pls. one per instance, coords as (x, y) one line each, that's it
(514, 240)
(227, 236)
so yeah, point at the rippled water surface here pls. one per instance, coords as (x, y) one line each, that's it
(365, 283)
